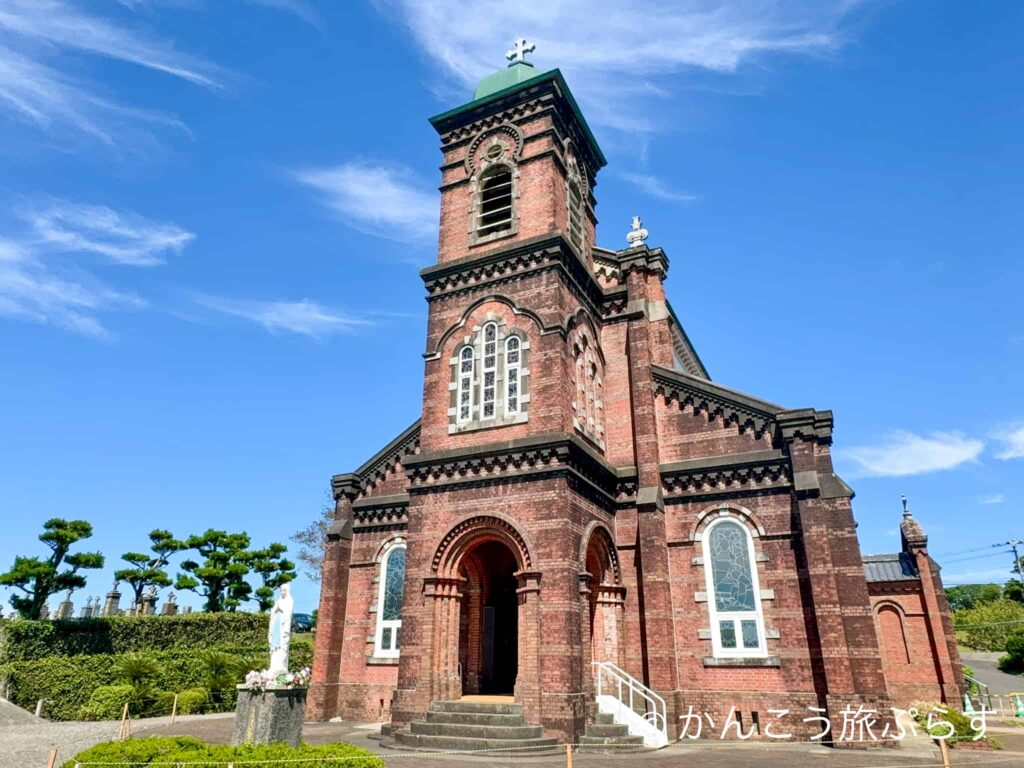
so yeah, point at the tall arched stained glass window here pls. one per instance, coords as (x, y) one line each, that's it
(513, 365)
(389, 601)
(737, 624)
(465, 391)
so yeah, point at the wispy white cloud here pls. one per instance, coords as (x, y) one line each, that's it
(36, 289)
(620, 53)
(40, 42)
(301, 9)
(1012, 439)
(304, 316)
(995, 498)
(122, 237)
(383, 199)
(42, 278)
(982, 576)
(904, 453)
(658, 189)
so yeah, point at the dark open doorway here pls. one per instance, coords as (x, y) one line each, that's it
(489, 621)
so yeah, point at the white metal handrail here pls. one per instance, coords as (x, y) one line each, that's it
(631, 693)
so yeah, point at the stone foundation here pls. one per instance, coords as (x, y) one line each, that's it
(266, 717)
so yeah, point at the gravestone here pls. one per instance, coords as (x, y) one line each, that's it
(271, 710)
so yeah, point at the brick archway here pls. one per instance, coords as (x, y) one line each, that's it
(603, 598)
(460, 588)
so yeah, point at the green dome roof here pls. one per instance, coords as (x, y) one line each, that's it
(514, 74)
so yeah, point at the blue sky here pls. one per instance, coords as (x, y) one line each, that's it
(212, 215)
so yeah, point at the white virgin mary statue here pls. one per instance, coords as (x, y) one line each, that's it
(280, 631)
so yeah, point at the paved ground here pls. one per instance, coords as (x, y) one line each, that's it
(27, 745)
(13, 715)
(986, 670)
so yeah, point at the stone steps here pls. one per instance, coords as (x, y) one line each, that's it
(474, 725)
(605, 735)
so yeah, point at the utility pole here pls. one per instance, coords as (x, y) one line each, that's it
(1013, 544)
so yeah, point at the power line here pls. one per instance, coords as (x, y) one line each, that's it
(976, 557)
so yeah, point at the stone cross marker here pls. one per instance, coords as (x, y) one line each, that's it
(518, 53)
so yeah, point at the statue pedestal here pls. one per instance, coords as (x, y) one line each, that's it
(268, 716)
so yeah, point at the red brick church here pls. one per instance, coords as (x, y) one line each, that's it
(580, 507)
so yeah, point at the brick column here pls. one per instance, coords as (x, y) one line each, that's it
(948, 667)
(528, 685)
(322, 699)
(644, 270)
(846, 661)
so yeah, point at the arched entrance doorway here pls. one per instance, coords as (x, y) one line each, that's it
(489, 620)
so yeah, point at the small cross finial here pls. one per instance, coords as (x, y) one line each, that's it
(906, 509)
(518, 53)
(636, 236)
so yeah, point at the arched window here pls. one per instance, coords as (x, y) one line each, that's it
(512, 368)
(490, 377)
(734, 600)
(576, 232)
(495, 207)
(466, 384)
(588, 417)
(489, 354)
(389, 601)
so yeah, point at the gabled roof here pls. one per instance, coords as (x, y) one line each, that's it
(745, 410)
(898, 566)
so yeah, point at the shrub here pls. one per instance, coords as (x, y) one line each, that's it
(988, 627)
(941, 714)
(67, 683)
(107, 702)
(28, 640)
(1013, 661)
(143, 752)
(134, 752)
(193, 701)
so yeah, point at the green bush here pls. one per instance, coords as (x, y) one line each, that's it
(988, 627)
(942, 714)
(67, 683)
(193, 701)
(28, 640)
(107, 702)
(143, 752)
(1013, 661)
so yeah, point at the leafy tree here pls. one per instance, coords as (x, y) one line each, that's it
(220, 577)
(40, 578)
(273, 569)
(987, 627)
(311, 542)
(149, 570)
(1013, 590)
(967, 596)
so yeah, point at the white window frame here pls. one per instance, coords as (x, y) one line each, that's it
(465, 378)
(513, 374)
(484, 370)
(395, 625)
(716, 616)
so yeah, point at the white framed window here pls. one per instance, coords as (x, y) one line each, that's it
(734, 596)
(513, 366)
(465, 391)
(389, 601)
(489, 365)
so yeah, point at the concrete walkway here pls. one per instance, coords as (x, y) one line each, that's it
(986, 669)
(11, 714)
(27, 745)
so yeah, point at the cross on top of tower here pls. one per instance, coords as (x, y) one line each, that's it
(518, 53)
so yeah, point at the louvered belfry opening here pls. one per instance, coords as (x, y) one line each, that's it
(495, 202)
(576, 215)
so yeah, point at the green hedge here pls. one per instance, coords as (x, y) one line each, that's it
(29, 640)
(133, 753)
(67, 683)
